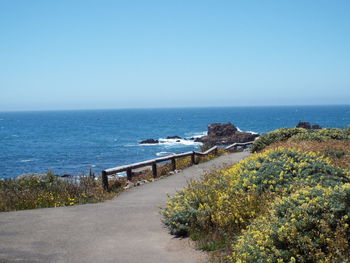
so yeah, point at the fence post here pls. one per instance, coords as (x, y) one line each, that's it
(154, 170)
(216, 151)
(128, 174)
(105, 181)
(173, 164)
(193, 160)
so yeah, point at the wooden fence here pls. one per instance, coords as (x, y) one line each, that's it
(128, 168)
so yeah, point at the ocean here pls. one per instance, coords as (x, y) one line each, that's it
(72, 142)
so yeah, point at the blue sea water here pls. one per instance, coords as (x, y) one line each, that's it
(70, 142)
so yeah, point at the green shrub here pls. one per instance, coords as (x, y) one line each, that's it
(299, 134)
(347, 131)
(335, 154)
(311, 225)
(309, 136)
(280, 169)
(334, 133)
(227, 200)
(282, 134)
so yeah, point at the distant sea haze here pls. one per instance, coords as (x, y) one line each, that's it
(70, 142)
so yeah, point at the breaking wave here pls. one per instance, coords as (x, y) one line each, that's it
(27, 160)
(174, 142)
(238, 129)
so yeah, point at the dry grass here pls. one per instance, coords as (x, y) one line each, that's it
(48, 190)
(181, 163)
(337, 151)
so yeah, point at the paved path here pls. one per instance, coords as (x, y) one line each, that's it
(127, 229)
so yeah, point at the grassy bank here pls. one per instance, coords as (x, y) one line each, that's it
(48, 190)
(289, 202)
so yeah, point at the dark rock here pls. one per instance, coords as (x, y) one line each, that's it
(178, 141)
(223, 140)
(223, 134)
(307, 125)
(149, 141)
(304, 124)
(67, 175)
(221, 129)
(173, 137)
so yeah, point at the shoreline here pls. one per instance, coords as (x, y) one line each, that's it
(68, 142)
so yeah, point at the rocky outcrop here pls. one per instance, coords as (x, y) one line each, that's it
(174, 137)
(221, 129)
(307, 125)
(67, 176)
(218, 134)
(153, 141)
(149, 141)
(225, 133)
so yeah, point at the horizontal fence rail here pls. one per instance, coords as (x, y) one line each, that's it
(236, 144)
(128, 168)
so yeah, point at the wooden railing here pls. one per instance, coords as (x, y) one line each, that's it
(236, 144)
(128, 168)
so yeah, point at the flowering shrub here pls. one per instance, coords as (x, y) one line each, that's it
(203, 206)
(311, 225)
(282, 169)
(321, 135)
(229, 199)
(300, 134)
(337, 151)
(280, 205)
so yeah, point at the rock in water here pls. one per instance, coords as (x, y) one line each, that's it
(304, 124)
(225, 133)
(221, 129)
(307, 125)
(173, 137)
(149, 141)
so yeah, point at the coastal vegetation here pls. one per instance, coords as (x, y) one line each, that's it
(49, 190)
(300, 134)
(288, 202)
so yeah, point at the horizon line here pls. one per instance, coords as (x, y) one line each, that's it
(179, 107)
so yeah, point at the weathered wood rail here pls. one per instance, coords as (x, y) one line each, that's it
(128, 168)
(236, 144)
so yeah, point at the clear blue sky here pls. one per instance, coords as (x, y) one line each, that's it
(117, 54)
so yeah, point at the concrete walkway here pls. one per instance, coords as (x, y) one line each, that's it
(127, 229)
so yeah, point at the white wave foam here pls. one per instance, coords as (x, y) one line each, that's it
(238, 129)
(27, 160)
(196, 134)
(134, 145)
(175, 142)
(168, 143)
